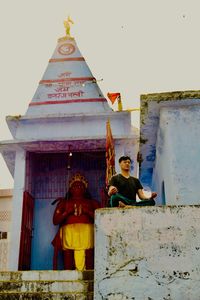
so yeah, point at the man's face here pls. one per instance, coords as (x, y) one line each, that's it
(125, 165)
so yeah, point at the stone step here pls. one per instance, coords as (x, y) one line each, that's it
(46, 275)
(45, 296)
(80, 286)
(46, 285)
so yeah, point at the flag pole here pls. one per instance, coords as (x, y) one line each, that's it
(132, 109)
(119, 103)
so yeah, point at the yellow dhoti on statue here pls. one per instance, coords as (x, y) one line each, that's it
(77, 237)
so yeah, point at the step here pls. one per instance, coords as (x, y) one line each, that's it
(47, 275)
(47, 286)
(46, 296)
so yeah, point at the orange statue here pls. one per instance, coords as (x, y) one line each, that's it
(75, 215)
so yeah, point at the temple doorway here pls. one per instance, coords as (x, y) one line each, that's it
(48, 175)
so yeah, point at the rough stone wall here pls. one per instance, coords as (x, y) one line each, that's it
(148, 253)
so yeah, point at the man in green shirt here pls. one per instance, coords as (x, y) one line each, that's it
(123, 188)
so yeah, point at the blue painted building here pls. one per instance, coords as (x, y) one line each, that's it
(170, 146)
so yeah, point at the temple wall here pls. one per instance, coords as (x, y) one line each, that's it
(177, 156)
(5, 223)
(169, 145)
(80, 126)
(148, 253)
(19, 187)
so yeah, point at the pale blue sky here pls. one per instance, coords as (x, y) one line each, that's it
(136, 47)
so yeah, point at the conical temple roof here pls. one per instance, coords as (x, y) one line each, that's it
(67, 85)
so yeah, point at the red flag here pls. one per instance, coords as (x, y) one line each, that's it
(110, 153)
(113, 96)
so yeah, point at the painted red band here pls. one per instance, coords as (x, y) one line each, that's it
(68, 101)
(67, 59)
(67, 79)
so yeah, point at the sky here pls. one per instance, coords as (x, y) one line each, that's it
(132, 46)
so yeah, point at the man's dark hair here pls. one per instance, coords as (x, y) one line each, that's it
(124, 158)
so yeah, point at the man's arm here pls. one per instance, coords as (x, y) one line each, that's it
(112, 190)
(112, 186)
(142, 196)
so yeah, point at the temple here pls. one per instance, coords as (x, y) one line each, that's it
(62, 132)
(140, 252)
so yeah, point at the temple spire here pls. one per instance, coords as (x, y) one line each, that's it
(68, 85)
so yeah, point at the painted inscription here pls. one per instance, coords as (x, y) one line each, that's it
(65, 75)
(64, 95)
(64, 90)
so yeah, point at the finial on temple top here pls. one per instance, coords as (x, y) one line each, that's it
(67, 24)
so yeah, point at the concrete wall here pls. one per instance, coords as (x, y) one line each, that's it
(177, 155)
(5, 223)
(148, 253)
(169, 145)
